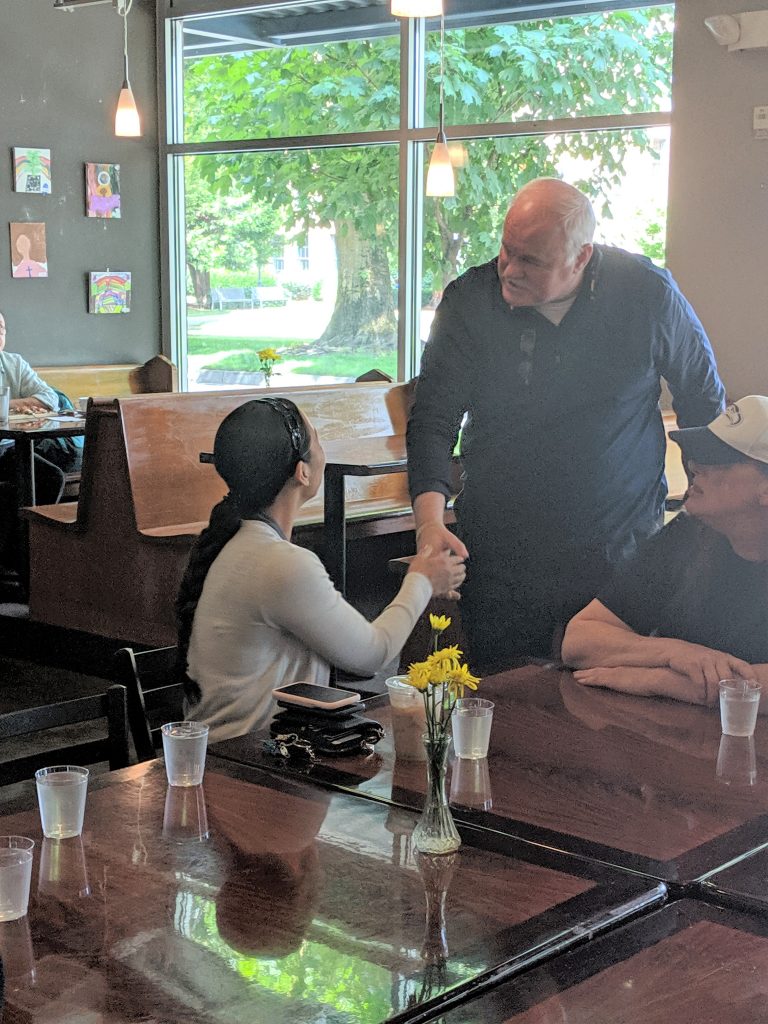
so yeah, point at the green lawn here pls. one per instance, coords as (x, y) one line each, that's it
(331, 364)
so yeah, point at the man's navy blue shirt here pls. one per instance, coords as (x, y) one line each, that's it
(563, 447)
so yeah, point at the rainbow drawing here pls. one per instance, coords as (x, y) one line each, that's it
(109, 291)
(32, 170)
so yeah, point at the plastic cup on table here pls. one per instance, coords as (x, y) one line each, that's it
(61, 792)
(5, 404)
(15, 876)
(184, 746)
(739, 703)
(472, 719)
(409, 719)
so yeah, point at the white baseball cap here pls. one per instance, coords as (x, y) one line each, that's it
(739, 434)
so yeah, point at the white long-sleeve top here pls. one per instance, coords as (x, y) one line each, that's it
(269, 615)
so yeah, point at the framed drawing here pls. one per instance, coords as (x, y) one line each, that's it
(32, 170)
(29, 256)
(109, 291)
(102, 190)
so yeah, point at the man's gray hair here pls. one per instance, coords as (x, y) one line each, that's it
(572, 207)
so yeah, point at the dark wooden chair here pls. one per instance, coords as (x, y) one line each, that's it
(112, 705)
(152, 698)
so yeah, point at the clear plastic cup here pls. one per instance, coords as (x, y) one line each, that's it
(472, 719)
(15, 876)
(739, 702)
(61, 794)
(184, 746)
(409, 719)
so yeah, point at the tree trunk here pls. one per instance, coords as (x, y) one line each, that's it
(364, 314)
(201, 283)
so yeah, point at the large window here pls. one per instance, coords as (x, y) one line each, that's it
(297, 156)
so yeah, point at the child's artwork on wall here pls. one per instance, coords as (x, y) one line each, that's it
(109, 291)
(29, 257)
(102, 190)
(32, 170)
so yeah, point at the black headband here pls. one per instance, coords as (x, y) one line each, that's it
(294, 424)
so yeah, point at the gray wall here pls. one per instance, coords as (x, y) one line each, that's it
(60, 75)
(718, 201)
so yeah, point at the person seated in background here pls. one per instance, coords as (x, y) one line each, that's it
(691, 607)
(29, 394)
(256, 611)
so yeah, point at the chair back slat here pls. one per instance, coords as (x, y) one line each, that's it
(113, 747)
(152, 698)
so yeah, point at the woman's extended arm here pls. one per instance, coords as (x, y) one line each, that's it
(309, 607)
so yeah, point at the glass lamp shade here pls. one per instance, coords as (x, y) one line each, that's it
(127, 121)
(416, 8)
(440, 180)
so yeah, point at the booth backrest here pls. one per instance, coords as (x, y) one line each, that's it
(164, 435)
(111, 380)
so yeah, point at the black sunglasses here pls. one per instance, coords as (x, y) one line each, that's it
(527, 347)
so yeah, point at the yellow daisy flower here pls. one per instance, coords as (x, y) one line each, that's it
(461, 679)
(439, 622)
(418, 675)
(442, 662)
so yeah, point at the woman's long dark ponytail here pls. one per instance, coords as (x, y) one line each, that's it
(256, 451)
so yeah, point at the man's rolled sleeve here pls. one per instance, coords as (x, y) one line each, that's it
(687, 362)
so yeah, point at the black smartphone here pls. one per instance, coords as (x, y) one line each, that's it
(310, 695)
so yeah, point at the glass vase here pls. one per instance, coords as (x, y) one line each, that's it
(436, 830)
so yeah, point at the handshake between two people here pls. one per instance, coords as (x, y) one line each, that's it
(440, 557)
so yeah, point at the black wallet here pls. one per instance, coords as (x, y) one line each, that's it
(330, 734)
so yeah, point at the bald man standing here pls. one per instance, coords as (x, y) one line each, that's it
(555, 351)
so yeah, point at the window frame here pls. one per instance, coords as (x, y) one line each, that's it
(410, 136)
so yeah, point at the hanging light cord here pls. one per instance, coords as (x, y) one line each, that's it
(441, 123)
(125, 10)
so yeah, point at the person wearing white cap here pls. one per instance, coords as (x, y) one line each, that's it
(691, 608)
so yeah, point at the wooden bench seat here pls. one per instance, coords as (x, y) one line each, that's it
(111, 380)
(111, 564)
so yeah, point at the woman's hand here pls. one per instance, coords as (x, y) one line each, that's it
(28, 405)
(445, 571)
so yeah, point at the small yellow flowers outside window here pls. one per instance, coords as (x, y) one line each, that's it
(267, 359)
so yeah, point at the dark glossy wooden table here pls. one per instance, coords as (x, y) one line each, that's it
(24, 433)
(743, 885)
(365, 456)
(687, 963)
(301, 906)
(626, 780)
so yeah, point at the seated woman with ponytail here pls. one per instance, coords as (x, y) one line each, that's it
(256, 611)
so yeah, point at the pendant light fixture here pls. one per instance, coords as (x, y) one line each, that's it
(440, 179)
(127, 121)
(416, 8)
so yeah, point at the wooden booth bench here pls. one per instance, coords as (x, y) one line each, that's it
(111, 563)
(111, 380)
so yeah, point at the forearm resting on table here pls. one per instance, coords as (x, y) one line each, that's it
(598, 637)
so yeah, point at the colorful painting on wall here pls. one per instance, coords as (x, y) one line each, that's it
(29, 257)
(32, 170)
(109, 292)
(102, 190)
